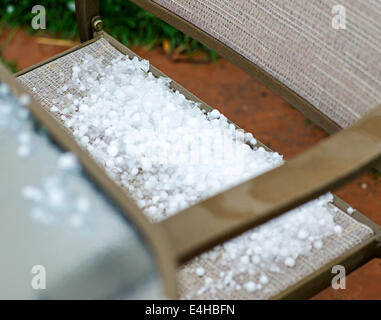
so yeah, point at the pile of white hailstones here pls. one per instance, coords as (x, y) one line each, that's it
(162, 147)
(170, 154)
(267, 249)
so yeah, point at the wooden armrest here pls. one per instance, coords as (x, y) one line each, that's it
(323, 167)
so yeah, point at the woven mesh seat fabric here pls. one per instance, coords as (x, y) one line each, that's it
(194, 287)
(45, 81)
(337, 71)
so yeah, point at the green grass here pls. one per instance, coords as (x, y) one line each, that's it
(308, 123)
(10, 65)
(375, 174)
(122, 19)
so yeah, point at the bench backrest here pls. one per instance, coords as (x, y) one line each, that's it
(326, 55)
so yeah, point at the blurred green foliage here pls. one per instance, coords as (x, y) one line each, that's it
(122, 19)
(10, 65)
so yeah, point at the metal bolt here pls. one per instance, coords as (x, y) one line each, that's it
(98, 24)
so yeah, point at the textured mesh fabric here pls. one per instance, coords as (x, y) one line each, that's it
(44, 83)
(193, 287)
(337, 71)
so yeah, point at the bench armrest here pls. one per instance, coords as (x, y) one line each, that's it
(325, 166)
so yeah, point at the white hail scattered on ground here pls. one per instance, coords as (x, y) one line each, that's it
(170, 154)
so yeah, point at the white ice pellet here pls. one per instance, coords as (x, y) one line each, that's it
(83, 108)
(245, 260)
(24, 150)
(32, 193)
(302, 234)
(318, 244)
(55, 197)
(4, 89)
(24, 99)
(215, 114)
(112, 150)
(289, 262)
(338, 229)
(250, 286)
(24, 138)
(350, 210)
(200, 271)
(263, 279)
(248, 137)
(84, 140)
(67, 161)
(146, 164)
(134, 171)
